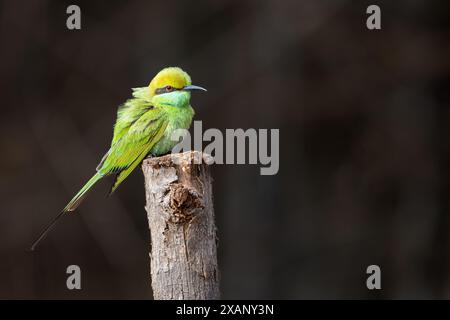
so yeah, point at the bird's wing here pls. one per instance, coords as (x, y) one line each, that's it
(130, 112)
(132, 148)
(127, 114)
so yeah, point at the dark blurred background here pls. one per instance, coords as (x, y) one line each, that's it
(364, 151)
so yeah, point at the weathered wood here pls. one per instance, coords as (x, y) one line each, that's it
(183, 234)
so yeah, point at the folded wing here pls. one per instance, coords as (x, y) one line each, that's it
(128, 152)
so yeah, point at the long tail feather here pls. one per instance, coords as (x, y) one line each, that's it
(71, 206)
(46, 230)
(79, 197)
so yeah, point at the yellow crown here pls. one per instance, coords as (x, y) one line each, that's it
(172, 76)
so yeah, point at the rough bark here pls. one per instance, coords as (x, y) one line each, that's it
(183, 234)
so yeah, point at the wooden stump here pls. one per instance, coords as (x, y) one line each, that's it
(183, 234)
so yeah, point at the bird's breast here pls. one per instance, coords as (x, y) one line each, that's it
(178, 118)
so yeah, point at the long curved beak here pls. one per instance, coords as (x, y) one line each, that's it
(192, 87)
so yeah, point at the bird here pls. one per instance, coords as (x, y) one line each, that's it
(143, 127)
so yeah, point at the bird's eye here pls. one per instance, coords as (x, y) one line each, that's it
(169, 88)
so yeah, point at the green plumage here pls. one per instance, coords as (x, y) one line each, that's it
(143, 127)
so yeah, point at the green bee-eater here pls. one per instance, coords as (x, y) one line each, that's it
(143, 127)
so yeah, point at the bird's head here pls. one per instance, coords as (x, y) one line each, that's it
(172, 87)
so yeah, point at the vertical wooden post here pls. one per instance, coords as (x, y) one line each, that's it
(183, 234)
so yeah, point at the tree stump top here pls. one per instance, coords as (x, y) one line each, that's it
(185, 158)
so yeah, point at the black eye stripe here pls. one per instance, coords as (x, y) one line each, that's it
(165, 89)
